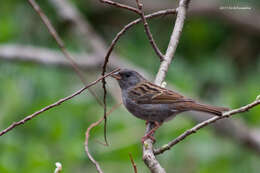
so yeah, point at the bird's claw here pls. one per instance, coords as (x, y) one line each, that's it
(148, 136)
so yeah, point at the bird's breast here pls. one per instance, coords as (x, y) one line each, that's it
(148, 112)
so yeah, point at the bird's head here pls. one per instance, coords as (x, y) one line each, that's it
(127, 78)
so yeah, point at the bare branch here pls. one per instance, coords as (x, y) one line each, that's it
(133, 163)
(59, 102)
(60, 43)
(244, 21)
(88, 135)
(86, 145)
(148, 31)
(205, 123)
(119, 5)
(70, 14)
(55, 35)
(148, 155)
(21, 53)
(131, 24)
(181, 14)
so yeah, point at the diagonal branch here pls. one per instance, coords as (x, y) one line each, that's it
(148, 31)
(175, 37)
(71, 15)
(27, 118)
(133, 163)
(205, 123)
(60, 43)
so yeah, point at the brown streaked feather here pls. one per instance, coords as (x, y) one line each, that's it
(149, 93)
(208, 108)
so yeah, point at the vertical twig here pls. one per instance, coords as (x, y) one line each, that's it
(133, 163)
(88, 135)
(119, 5)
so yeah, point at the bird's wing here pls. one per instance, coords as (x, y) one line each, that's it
(148, 93)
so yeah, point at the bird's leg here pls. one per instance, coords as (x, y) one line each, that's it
(149, 135)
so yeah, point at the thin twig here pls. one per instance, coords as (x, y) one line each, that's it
(133, 163)
(88, 135)
(128, 26)
(119, 5)
(27, 118)
(86, 145)
(148, 31)
(60, 43)
(105, 110)
(203, 124)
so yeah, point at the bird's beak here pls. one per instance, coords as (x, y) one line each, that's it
(116, 76)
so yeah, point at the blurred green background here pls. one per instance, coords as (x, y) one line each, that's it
(215, 61)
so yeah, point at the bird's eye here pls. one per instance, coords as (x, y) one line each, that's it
(127, 75)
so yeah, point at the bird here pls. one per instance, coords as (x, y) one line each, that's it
(152, 103)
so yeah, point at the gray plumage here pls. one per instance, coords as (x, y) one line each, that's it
(150, 102)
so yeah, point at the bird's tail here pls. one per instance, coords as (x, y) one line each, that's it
(208, 108)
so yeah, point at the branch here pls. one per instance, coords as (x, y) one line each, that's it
(70, 14)
(59, 102)
(148, 31)
(131, 24)
(133, 163)
(87, 134)
(205, 123)
(119, 5)
(86, 144)
(243, 20)
(175, 37)
(148, 155)
(21, 53)
(55, 35)
(60, 43)
(140, 12)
